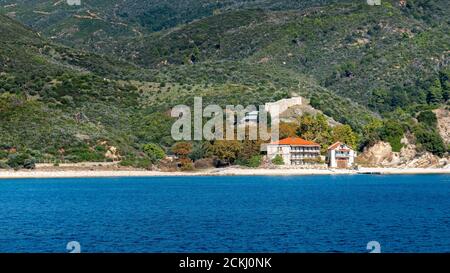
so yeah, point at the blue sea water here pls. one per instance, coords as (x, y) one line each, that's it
(227, 214)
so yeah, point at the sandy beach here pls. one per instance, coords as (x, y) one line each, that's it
(87, 170)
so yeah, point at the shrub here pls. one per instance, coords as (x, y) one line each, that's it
(21, 160)
(182, 149)
(197, 152)
(3, 154)
(392, 132)
(429, 140)
(3, 165)
(204, 163)
(278, 160)
(186, 165)
(154, 152)
(428, 118)
(255, 161)
(136, 162)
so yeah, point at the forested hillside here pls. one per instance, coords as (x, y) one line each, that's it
(79, 80)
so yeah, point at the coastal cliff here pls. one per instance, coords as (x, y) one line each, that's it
(381, 154)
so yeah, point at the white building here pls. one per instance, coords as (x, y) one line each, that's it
(74, 2)
(341, 156)
(374, 2)
(294, 151)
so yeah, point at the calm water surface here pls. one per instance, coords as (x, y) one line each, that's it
(227, 214)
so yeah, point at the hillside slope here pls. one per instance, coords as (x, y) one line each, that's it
(354, 62)
(53, 97)
(357, 51)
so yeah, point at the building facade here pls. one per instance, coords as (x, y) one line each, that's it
(294, 151)
(341, 156)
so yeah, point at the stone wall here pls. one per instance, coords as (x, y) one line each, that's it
(278, 107)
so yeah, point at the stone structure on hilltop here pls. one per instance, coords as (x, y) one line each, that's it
(278, 107)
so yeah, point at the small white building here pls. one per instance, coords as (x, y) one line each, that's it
(341, 156)
(250, 118)
(294, 151)
(74, 2)
(374, 2)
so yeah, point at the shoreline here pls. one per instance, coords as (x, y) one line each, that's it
(99, 173)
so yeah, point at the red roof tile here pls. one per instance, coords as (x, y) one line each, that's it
(336, 145)
(295, 141)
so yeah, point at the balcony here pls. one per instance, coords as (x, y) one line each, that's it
(342, 155)
(300, 150)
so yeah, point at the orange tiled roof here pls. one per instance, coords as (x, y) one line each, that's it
(295, 141)
(336, 145)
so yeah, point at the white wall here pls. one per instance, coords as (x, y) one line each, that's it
(332, 158)
(278, 107)
(272, 152)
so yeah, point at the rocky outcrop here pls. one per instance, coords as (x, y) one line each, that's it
(113, 154)
(443, 124)
(427, 160)
(381, 155)
(292, 113)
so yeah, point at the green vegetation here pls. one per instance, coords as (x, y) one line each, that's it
(427, 118)
(278, 160)
(392, 132)
(154, 152)
(429, 140)
(122, 68)
(252, 162)
(11, 158)
(345, 134)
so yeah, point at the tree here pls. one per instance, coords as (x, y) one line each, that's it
(379, 100)
(226, 150)
(154, 152)
(428, 118)
(399, 98)
(315, 128)
(198, 151)
(444, 78)
(345, 134)
(392, 132)
(288, 129)
(182, 149)
(307, 127)
(250, 148)
(435, 94)
(429, 140)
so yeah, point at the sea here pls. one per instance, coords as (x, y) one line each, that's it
(238, 214)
